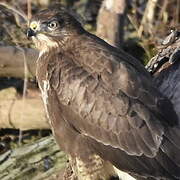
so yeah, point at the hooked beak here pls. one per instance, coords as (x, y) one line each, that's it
(30, 33)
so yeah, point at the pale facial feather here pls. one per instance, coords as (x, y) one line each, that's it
(44, 43)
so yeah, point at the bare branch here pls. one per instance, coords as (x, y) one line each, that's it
(148, 18)
(29, 13)
(14, 10)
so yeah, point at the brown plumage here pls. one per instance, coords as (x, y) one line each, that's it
(101, 101)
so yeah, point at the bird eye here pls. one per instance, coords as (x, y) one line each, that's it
(53, 25)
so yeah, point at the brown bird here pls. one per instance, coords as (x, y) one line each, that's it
(102, 104)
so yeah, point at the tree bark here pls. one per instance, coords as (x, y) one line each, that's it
(39, 160)
(110, 22)
(14, 59)
(19, 113)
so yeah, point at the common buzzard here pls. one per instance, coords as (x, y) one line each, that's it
(101, 102)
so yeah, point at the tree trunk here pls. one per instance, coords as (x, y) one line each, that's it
(148, 18)
(39, 160)
(110, 22)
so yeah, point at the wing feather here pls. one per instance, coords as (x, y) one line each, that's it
(120, 71)
(119, 108)
(107, 117)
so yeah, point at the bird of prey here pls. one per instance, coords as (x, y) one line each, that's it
(102, 104)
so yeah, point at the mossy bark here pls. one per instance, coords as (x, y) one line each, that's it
(38, 161)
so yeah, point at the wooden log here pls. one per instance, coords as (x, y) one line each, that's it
(15, 112)
(13, 60)
(18, 113)
(39, 160)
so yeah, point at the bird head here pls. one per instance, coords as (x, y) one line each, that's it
(51, 27)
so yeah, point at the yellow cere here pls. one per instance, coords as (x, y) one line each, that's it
(34, 25)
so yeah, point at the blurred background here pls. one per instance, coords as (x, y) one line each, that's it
(27, 149)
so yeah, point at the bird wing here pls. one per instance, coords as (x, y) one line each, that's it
(120, 108)
(119, 71)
